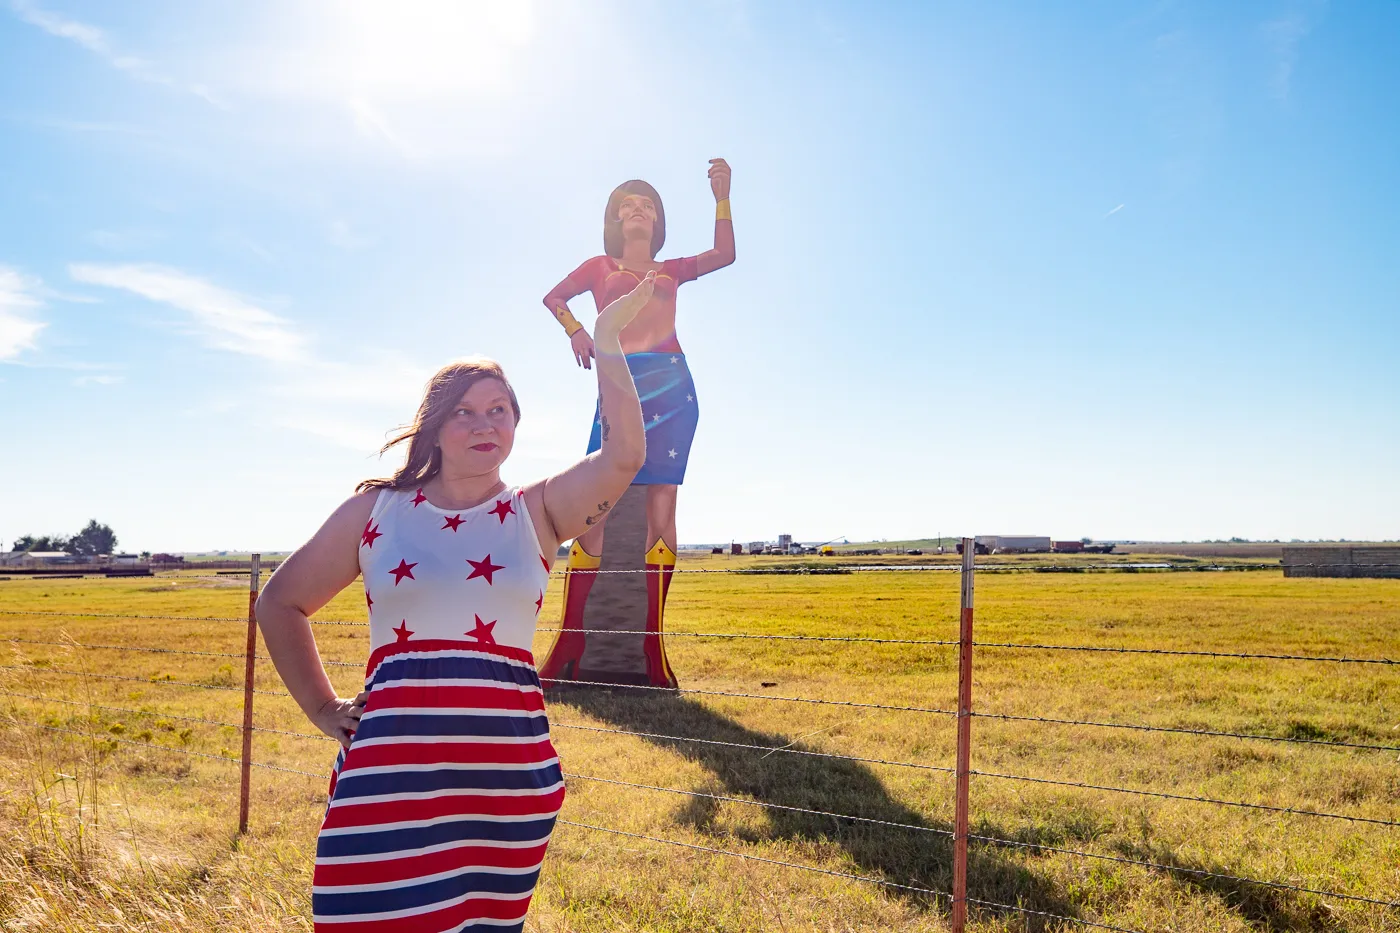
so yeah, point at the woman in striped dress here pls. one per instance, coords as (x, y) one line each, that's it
(446, 788)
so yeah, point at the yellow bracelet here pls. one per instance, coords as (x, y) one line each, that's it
(722, 210)
(571, 324)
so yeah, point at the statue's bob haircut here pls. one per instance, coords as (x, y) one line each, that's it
(612, 227)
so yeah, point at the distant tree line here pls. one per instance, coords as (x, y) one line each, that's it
(94, 539)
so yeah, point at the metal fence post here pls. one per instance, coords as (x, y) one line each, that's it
(248, 669)
(964, 764)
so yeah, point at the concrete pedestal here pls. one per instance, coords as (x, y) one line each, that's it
(618, 601)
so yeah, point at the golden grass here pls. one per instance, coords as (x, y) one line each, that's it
(123, 837)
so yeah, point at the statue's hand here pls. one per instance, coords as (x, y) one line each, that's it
(719, 178)
(608, 331)
(583, 348)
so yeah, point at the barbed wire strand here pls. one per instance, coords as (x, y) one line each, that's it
(748, 696)
(994, 840)
(118, 615)
(1211, 800)
(178, 574)
(168, 748)
(840, 874)
(997, 841)
(822, 638)
(987, 839)
(208, 654)
(363, 624)
(74, 644)
(991, 774)
(760, 748)
(118, 709)
(147, 712)
(950, 567)
(1187, 653)
(34, 669)
(759, 858)
(1185, 731)
(760, 803)
(845, 638)
(1041, 913)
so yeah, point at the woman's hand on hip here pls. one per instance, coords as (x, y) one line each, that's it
(583, 348)
(608, 330)
(339, 717)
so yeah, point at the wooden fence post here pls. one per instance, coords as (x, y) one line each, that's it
(249, 657)
(964, 764)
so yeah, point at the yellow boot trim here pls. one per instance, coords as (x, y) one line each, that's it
(660, 554)
(579, 559)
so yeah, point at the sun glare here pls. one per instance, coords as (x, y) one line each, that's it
(428, 47)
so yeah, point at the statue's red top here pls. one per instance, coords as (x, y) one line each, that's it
(654, 329)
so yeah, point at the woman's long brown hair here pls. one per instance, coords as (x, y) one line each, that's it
(440, 398)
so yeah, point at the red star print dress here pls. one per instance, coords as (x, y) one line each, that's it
(442, 808)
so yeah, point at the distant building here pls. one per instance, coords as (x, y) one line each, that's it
(784, 542)
(1342, 561)
(736, 549)
(44, 558)
(1067, 547)
(1013, 544)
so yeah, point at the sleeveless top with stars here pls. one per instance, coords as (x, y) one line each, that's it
(473, 575)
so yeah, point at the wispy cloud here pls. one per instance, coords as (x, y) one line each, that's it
(344, 403)
(1284, 35)
(222, 319)
(125, 239)
(100, 379)
(18, 304)
(341, 235)
(97, 42)
(1114, 211)
(350, 404)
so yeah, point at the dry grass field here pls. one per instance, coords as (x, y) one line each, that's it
(104, 834)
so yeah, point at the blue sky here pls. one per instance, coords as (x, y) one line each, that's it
(1103, 269)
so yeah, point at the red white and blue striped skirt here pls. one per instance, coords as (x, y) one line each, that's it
(441, 810)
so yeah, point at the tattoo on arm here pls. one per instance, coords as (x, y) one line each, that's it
(603, 508)
(604, 422)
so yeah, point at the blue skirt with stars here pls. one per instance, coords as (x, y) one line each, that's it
(669, 411)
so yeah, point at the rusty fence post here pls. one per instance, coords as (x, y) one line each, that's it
(964, 763)
(249, 657)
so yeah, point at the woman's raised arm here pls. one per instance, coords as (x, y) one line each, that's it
(581, 495)
(305, 582)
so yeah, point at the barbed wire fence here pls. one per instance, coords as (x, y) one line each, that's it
(957, 899)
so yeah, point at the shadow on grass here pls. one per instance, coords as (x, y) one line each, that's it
(1271, 909)
(903, 856)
